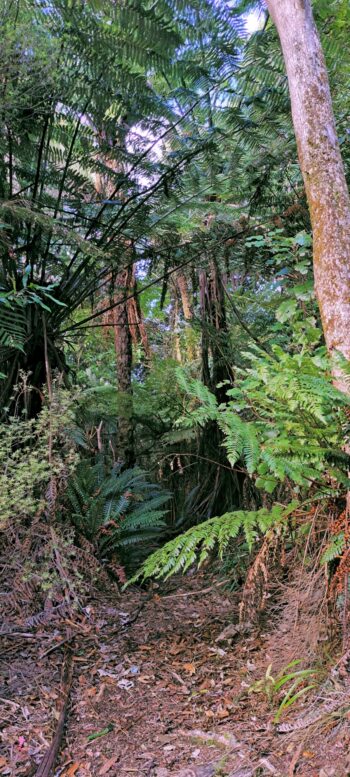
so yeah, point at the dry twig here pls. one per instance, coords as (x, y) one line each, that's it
(50, 756)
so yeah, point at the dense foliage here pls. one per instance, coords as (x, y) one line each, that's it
(155, 257)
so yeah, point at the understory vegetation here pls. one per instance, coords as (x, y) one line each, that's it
(168, 394)
(157, 313)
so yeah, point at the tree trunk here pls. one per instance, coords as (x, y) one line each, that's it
(135, 318)
(174, 326)
(187, 309)
(122, 284)
(321, 166)
(215, 333)
(123, 354)
(185, 296)
(203, 289)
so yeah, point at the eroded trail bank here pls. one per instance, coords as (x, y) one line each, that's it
(155, 693)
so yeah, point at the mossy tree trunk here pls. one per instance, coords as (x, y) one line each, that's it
(123, 353)
(321, 166)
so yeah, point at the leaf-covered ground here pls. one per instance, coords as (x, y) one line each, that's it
(155, 694)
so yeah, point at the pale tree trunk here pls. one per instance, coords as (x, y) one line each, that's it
(322, 168)
(325, 184)
(185, 296)
(187, 309)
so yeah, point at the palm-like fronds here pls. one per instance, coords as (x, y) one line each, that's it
(82, 115)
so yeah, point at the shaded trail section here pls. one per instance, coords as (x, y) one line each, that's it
(163, 694)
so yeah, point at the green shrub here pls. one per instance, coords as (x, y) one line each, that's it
(32, 453)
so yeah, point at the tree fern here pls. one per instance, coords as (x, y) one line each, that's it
(57, 127)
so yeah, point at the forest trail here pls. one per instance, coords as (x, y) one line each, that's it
(174, 388)
(154, 694)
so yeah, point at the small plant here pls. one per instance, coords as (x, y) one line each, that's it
(270, 686)
(34, 452)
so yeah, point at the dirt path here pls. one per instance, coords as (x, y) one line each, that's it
(157, 683)
(160, 697)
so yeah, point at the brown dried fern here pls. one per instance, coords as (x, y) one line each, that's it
(321, 714)
(258, 582)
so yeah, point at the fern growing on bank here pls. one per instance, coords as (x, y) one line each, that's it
(284, 419)
(116, 509)
(195, 544)
(334, 549)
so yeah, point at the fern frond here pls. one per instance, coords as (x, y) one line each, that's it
(196, 543)
(117, 509)
(334, 549)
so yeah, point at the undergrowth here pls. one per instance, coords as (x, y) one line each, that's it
(35, 454)
(196, 544)
(115, 508)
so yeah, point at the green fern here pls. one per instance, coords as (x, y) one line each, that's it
(334, 549)
(203, 402)
(12, 327)
(115, 510)
(241, 440)
(284, 418)
(195, 544)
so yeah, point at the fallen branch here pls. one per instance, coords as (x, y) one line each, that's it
(58, 645)
(49, 759)
(138, 611)
(195, 593)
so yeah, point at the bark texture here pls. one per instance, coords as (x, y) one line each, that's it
(321, 165)
(185, 295)
(135, 318)
(123, 353)
(121, 286)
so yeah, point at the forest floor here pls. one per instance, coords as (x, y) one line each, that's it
(153, 693)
